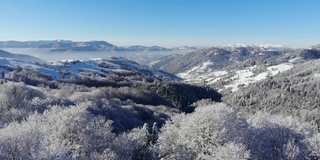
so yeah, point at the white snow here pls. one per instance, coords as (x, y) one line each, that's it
(279, 68)
(261, 76)
(242, 77)
(11, 62)
(154, 62)
(237, 45)
(219, 73)
(205, 74)
(245, 77)
(67, 68)
(269, 47)
(202, 73)
(316, 75)
(205, 65)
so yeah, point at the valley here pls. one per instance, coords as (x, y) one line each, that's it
(159, 80)
(248, 95)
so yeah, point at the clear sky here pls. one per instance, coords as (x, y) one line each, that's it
(168, 23)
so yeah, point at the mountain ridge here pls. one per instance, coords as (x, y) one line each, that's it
(95, 68)
(93, 45)
(236, 67)
(29, 58)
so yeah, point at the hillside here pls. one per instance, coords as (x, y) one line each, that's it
(294, 93)
(93, 68)
(162, 61)
(232, 67)
(222, 57)
(115, 108)
(139, 83)
(5, 54)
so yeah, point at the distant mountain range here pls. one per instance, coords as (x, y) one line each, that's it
(264, 47)
(223, 67)
(28, 44)
(66, 45)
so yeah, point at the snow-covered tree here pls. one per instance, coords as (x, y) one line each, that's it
(279, 137)
(200, 134)
(59, 132)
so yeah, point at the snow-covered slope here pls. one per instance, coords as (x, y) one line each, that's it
(267, 47)
(95, 68)
(5, 54)
(160, 62)
(294, 92)
(231, 79)
(222, 58)
(192, 59)
(316, 47)
(246, 77)
(237, 65)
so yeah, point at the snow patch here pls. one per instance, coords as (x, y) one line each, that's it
(242, 77)
(245, 77)
(294, 60)
(279, 68)
(205, 65)
(202, 74)
(316, 75)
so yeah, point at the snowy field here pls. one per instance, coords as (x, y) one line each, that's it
(203, 74)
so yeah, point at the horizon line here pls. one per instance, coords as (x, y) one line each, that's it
(224, 45)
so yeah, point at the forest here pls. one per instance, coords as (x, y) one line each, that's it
(129, 116)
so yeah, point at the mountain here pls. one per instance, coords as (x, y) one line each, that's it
(157, 48)
(64, 49)
(220, 57)
(315, 47)
(28, 44)
(309, 54)
(122, 78)
(136, 48)
(117, 109)
(191, 59)
(162, 61)
(291, 93)
(265, 47)
(79, 46)
(144, 48)
(233, 67)
(5, 54)
(66, 45)
(93, 69)
(187, 48)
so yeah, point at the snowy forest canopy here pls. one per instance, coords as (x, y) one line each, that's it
(129, 116)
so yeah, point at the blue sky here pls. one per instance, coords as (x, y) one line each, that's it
(168, 23)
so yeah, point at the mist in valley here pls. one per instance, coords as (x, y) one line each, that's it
(143, 57)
